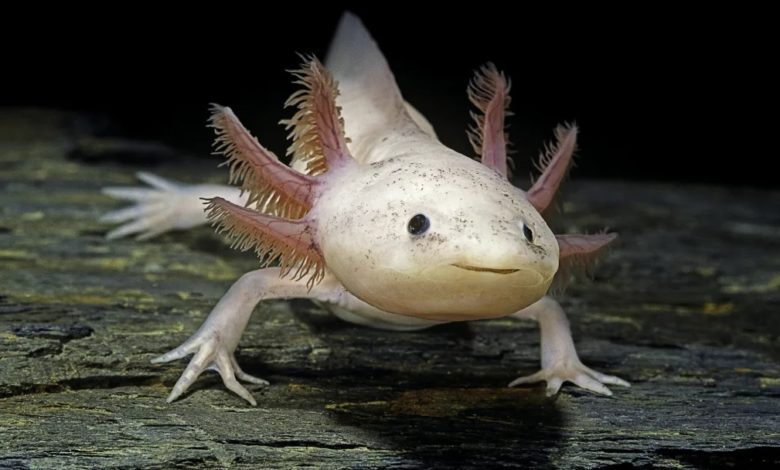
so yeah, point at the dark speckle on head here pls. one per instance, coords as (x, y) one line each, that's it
(408, 219)
(438, 238)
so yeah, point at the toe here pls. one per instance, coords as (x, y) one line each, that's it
(130, 193)
(133, 212)
(186, 348)
(196, 367)
(136, 226)
(604, 378)
(610, 379)
(157, 181)
(241, 375)
(149, 234)
(587, 382)
(251, 378)
(232, 384)
(529, 379)
(553, 385)
(226, 371)
(150, 224)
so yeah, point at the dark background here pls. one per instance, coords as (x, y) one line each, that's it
(659, 93)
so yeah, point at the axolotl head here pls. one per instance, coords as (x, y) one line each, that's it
(443, 238)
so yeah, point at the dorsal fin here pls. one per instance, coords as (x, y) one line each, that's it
(274, 188)
(290, 242)
(316, 128)
(578, 256)
(488, 91)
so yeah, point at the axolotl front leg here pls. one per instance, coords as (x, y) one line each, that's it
(489, 91)
(215, 342)
(275, 222)
(560, 362)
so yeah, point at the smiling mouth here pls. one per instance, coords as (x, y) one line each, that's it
(484, 270)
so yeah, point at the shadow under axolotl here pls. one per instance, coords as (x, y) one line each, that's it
(463, 427)
(425, 394)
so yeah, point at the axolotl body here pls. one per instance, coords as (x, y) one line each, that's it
(376, 219)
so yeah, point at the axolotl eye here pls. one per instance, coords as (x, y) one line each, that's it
(418, 224)
(528, 234)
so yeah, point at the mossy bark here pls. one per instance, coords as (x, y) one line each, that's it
(685, 307)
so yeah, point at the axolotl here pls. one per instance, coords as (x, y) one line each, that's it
(376, 219)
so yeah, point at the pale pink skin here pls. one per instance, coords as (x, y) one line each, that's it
(169, 206)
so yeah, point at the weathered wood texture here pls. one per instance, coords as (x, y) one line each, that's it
(685, 307)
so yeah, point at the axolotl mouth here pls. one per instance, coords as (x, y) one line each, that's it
(520, 277)
(485, 270)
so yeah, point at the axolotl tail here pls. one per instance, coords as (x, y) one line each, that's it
(369, 97)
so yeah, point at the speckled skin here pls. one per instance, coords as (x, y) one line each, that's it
(473, 263)
(476, 219)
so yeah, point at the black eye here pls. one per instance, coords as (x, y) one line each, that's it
(529, 235)
(418, 224)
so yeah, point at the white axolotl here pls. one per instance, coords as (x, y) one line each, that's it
(376, 219)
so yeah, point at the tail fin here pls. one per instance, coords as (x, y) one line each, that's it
(354, 57)
(370, 98)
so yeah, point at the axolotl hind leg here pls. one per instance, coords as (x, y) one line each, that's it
(163, 206)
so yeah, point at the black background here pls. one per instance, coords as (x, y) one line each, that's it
(659, 93)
